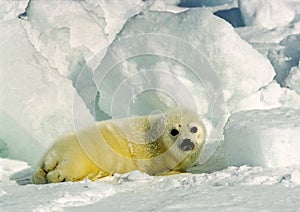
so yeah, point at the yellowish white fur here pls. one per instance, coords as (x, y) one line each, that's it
(118, 146)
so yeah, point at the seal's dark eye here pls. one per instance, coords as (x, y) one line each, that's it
(193, 129)
(174, 132)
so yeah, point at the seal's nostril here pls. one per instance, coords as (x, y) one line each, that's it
(186, 140)
(187, 145)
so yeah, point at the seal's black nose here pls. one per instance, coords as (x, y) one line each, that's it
(187, 145)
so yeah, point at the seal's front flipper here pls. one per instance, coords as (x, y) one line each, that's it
(167, 173)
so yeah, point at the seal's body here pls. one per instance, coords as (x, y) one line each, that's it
(158, 144)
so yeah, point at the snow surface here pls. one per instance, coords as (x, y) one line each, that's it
(47, 59)
(235, 188)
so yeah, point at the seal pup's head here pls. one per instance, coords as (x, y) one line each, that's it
(183, 136)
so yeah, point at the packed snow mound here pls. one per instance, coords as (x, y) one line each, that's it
(269, 13)
(240, 69)
(61, 32)
(68, 32)
(84, 29)
(35, 100)
(268, 138)
(8, 168)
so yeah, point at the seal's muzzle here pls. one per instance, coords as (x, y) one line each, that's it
(187, 145)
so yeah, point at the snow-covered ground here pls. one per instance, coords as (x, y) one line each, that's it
(232, 189)
(244, 81)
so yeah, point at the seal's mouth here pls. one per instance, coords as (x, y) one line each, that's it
(187, 145)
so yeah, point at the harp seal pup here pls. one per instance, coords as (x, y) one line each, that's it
(162, 144)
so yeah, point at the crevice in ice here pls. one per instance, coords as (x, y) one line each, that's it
(232, 16)
(92, 14)
(234, 109)
(263, 87)
(23, 16)
(203, 3)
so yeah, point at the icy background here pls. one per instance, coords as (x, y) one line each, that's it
(49, 54)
